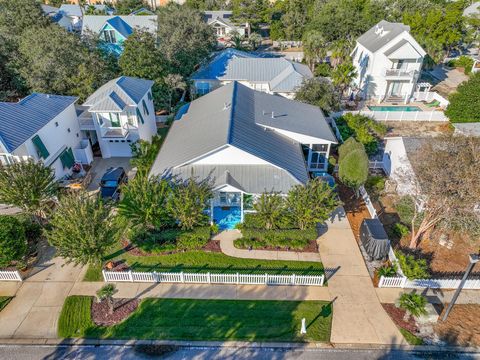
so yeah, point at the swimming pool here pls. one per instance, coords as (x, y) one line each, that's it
(394, 108)
(227, 217)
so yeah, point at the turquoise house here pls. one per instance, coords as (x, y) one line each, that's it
(114, 30)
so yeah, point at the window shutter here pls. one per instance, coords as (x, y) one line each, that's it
(145, 108)
(67, 158)
(139, 115)
(40, 146)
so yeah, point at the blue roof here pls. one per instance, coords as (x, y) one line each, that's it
(218, 65)
(121, 26)
(20, 121)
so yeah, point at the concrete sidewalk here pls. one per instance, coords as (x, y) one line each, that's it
(226, 239)
(358, 315)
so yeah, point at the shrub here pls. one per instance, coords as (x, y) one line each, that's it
(465, 62)
(464, 103)
(389, 270)
(323, 70)
(411, 267)
(413, 303)
(353, 169)
(400, 230)
(375, 184)
(170, 239)
(13, 242)
(253, 221)
(292, 238)
(331, 164)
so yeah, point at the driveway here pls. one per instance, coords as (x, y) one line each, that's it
(358, 316)
(100, 166)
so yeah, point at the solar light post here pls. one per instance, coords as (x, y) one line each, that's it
(474, 258)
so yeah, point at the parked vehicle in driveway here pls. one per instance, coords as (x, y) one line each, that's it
(111, 182)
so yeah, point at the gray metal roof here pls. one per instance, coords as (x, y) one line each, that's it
(95, 23)
(118, 93)
(374, 41)
(235, 115)
(20, 121)
(281, 74)
(221, 15)
(252, 179)
(71, 10)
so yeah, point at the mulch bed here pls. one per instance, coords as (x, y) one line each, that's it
(462, 326)
(311, 247)
(211, 246)
(122, 309)
(397, 314)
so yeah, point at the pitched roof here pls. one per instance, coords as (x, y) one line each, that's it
(218, 65)
(117, 94)
(252, 179)
(220, 15)
(71, 10)
(235, 115)
(281, 74)
(374, 39)
(95, 23)
(120, 25)
(20, 121)
(47, 9)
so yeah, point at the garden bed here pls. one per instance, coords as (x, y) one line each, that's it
(214, 320)
(408, 328)
(278, 240)
(462, 326)
(122, 308)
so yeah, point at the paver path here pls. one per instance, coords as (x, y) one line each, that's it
(226, 244)
(358, 316)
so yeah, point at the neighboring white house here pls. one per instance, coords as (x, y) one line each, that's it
(221, 23)
(388, 62)
(248, 142)
(68, 16)
(273, 75)
(118, 114)
(43, 128)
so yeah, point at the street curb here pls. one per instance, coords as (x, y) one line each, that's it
(235, 344)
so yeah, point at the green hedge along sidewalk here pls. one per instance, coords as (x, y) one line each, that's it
(204, 320)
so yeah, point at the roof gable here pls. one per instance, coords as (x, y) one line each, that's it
(381, 34)
(403, 50)
(20, 121)
(217, 66)
(95, 23)
(120, 26)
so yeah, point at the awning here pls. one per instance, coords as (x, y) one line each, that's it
(40, 146)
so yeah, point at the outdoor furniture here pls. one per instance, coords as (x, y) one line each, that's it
(433, 103)
(374, 239)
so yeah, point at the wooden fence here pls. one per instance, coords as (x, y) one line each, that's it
(10, 276)
(212, 278)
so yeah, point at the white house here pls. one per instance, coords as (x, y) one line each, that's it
(248, 142)
(118, 114)
(221, 23)
(43, 128)
(388, 62)
(274, 75)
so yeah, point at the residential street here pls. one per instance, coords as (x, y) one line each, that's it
(129, 353)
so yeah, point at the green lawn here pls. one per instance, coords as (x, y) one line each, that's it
(186, 319)
(4, 300)
(202, 262)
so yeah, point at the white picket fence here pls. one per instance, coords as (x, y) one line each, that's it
(403, 282)
(213, 278)
(368, 202)
(433, 115)
(10, 276)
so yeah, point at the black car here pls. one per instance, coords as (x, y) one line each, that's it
(111, 181)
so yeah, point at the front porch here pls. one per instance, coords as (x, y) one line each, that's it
(227, 209)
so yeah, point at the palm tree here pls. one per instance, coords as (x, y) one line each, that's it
(340, 51)
(236, 40)
(343, 76)
(255, 39)
(314, 47)
(106, 293)
(174, 82)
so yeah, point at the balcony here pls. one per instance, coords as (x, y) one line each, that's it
(117, 132)
(400, 73)
(85, 120)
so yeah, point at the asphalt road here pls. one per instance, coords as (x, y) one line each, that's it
(25, 352)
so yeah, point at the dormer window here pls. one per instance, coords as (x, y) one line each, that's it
(109, 36)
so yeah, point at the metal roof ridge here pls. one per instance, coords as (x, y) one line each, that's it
(232, 110)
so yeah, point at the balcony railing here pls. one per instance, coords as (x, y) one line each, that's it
(117, 132)
(403, 73)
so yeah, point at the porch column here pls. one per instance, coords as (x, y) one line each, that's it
(211, 212)
(327, 155)
(241, 207)
(309, 157)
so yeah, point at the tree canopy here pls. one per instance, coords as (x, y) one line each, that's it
(126, 7)
(319, 92)
(465, 102)
(13, 242)
(353, 165)
(185, 40)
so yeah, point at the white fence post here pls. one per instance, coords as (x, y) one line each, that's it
(380, 282)
(266, 279)
(293, 279)
(404, 281)
(104, 276)
(182, 278)
(238, 278)
(209, 280)
(130, 275)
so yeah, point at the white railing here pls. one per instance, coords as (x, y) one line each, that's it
(375, 164)
(7, 159)
(404, 283)
(10, 276)
(400, 73)
(213, 278)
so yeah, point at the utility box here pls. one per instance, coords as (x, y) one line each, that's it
(374, 239)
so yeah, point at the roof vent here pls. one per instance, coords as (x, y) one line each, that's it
(226, 105)
(273, 114)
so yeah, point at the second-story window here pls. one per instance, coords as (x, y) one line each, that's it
(109, 36)
(114, 120)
